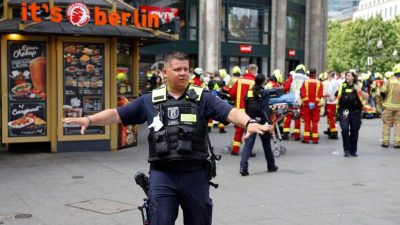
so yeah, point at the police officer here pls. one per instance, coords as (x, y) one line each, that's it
(177, 141)
(350, 98)
(254, 110)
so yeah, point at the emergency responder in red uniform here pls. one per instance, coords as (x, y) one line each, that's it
(376, 92)
(275, 80)
(196, 79)
(238, 93)
(311, 93)
(293, 85)
(331, 102)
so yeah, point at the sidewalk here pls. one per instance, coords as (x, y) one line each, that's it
(312, 186)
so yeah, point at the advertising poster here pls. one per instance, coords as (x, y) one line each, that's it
(27, 88)
(83, 66)
(169, 18)
(243, 24)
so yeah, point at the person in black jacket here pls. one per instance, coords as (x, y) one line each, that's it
(350, 103)
(253, 103)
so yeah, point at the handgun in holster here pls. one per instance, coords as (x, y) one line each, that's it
(143, 181)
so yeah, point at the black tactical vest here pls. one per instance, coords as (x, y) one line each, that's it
(183, 135)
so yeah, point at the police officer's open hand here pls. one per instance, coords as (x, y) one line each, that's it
(83, 122)
(258, 128)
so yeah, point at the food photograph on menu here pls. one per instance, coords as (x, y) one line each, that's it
(27, 119)
(83, 68)
(27, 88)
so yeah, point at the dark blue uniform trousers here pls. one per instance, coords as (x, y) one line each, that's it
(350, 127)
(190, 190)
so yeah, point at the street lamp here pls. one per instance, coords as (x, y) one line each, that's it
(379, 45)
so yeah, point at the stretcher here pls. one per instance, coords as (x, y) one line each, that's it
(278, 112)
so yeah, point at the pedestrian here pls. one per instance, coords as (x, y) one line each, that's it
(350, 103)
(178, 150)
(390, 92)
(311, 93)
(331, 102)
(254, 110)
(238, 93)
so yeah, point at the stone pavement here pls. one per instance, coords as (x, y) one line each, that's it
(312, 186)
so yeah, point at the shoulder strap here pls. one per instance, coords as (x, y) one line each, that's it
(159, 95)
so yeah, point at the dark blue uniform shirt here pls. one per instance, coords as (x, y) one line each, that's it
(142, 109)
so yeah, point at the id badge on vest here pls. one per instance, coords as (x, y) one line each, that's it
(173, 116)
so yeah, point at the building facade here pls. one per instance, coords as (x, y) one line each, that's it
(388, 9)
(226, 33)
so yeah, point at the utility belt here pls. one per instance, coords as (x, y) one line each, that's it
(179, 167)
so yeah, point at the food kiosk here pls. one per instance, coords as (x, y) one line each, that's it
(62, 59)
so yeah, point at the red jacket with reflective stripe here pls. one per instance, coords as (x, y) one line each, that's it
(311, 91)
(239, 90)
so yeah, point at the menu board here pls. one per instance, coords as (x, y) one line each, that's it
(83, 68)
(26, 62)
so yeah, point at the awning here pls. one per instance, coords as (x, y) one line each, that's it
(101, 3)
(66, 28)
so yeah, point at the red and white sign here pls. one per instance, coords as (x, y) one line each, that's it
(246, 48)
(78, 14)
(292, 52)
(166, 15)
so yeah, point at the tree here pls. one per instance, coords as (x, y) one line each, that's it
(350, 44)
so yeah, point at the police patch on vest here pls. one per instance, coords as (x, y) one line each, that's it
(348, 90)
(189, 118)
(173, 113)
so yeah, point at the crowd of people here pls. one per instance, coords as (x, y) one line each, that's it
(180, 101)
(344, 97)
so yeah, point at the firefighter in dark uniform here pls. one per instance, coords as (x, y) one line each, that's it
(178, 150)
(350, 98)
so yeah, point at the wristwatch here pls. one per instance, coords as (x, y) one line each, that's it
(250, 121)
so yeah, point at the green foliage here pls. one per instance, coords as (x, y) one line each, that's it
(350, 44)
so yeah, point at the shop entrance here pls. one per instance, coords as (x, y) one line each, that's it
(290, 65)
(231, 61)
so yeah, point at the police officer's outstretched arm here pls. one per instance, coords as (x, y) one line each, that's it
(241, 119)
(103, 118)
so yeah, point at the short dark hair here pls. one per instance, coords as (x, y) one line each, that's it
(175, 55)
(312, 71)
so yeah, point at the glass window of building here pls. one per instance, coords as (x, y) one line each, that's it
(244, 24)
(223, 22)
(294, 30)
(193, 20)
(300, 2)
(266, 28)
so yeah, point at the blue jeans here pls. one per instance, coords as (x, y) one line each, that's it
(190, 190)
(248, 147)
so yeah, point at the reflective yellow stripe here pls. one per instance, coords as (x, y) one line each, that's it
(317, 91)
(306, 134)
(236, 143)
(239, 89)
(386, 138)
(296, 130)
(333, 129)
(250, 94)
(315, 135)
(286, 130)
